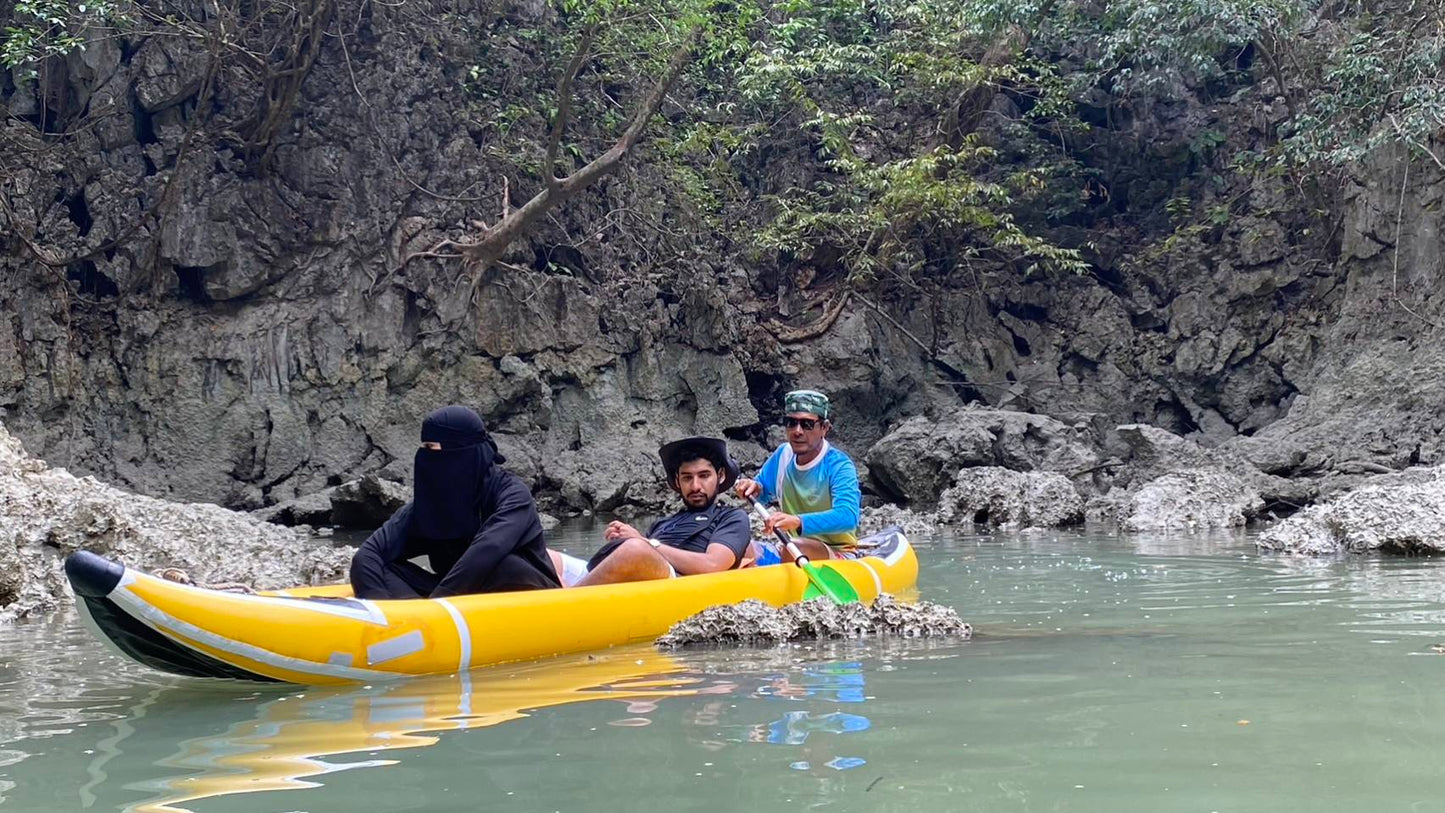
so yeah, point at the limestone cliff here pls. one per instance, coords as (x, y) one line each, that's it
(244, 337)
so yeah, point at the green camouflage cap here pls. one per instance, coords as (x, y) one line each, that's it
(806, 401)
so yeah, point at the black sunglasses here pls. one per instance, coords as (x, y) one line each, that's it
(807, 424)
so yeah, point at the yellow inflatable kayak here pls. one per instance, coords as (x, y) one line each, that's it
(319, 635)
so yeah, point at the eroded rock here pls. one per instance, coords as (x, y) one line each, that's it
(989, 495)
(920, 458)
(753, 622)
(1393, 513)
(48, 513)
(1190, 500)
(312, 509)
(368, 502)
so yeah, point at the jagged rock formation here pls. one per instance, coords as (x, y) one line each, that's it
(989, 495)
(1393, 513)
(920, 458)
(753, 622)
(48, 513)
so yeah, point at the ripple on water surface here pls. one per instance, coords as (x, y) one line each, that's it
(1164, 673)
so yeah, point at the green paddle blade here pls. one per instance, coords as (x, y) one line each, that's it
(825, 581)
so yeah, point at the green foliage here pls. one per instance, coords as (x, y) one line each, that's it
(39, 29)
(889, 205)
(1382, 85)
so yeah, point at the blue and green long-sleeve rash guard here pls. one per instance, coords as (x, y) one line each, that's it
(824, 493)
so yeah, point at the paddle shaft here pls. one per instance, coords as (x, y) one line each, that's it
(793, 550)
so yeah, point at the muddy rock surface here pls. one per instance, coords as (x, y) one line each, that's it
(753, 622)
(1393, 513)
(47, 513)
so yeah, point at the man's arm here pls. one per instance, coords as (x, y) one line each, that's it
(847, 499)
(716, 558)
(514, 518)
(386, 544)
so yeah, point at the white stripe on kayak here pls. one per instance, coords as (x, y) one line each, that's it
(156, 618)
(464, 634)
(877, 582)
(898, 551)
(393, 648)
(344, 607)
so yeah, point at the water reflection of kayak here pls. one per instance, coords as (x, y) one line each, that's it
(287, 743)
(320, 635)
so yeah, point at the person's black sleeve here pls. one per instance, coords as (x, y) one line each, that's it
(735, 532)
(386, 544)
(512, 522)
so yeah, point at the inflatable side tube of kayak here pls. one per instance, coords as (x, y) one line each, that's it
(94, 578)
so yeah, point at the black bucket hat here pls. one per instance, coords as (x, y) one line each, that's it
(672, 459)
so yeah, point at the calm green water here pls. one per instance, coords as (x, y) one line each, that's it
(1154, 674)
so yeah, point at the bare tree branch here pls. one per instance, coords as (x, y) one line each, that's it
(564, 104)
(481, 253)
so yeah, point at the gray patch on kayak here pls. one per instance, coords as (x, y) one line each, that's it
(752, 621)
(393, 648)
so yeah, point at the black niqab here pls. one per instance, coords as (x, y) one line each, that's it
(450, 482)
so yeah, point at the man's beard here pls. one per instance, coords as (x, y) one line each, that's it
(707, 499)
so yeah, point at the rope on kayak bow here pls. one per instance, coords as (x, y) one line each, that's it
(175, 574)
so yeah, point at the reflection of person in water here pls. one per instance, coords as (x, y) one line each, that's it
(836, 682)
(794, 727)
(841, 682)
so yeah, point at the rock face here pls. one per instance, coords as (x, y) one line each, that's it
(919, 459)
(46, 514)
(1394, 513)
(989, 495)
(313, 509)
(366, 503)
(1190, 500)
(254, 336)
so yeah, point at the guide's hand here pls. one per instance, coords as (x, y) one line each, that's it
(748, 489)
(778, 521)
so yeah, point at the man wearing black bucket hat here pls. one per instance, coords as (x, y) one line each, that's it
(476, 523)
(701, 538)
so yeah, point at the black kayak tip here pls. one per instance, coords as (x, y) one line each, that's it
(92, 575)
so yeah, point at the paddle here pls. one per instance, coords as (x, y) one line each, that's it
(822, 581)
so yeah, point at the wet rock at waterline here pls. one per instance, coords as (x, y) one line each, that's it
(920, 458)
(48, 513)
(753, 622)
(914, 524)
(312, 509)
(1179, 501)
(989, 495)
(1392, 513)
(368, 502)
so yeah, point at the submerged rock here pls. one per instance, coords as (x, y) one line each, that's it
(752, 622)
(1392, 513)
(993, 496)
(48, 513)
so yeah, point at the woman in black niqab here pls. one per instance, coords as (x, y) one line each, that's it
(445, 507)
(476, 522)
